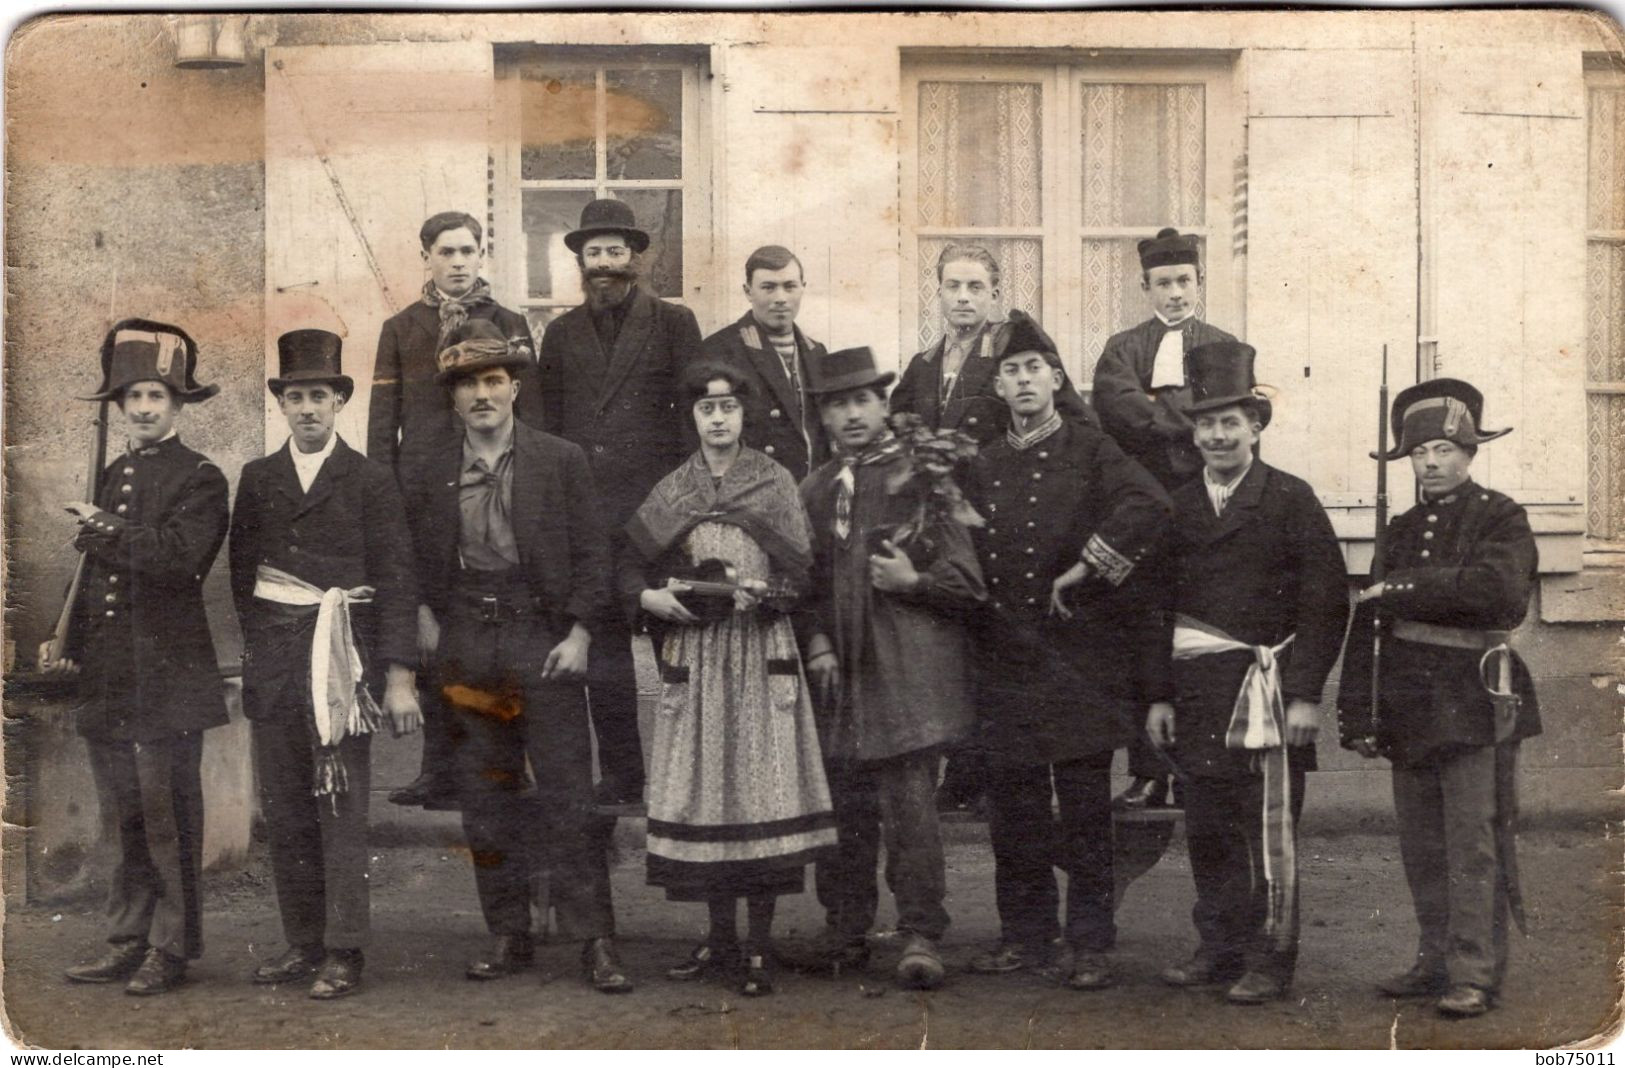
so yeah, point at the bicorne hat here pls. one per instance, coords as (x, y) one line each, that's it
(1219, 374)
(306, 356)
(1169, 247)
(144, 350)
(1441, 408)
(1027, 336)
(607, 217)
(847, 369)
(477, 345)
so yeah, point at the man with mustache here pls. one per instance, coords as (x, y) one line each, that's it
(322, 578)
(610, 375)
(151, 684)
(407, 404)
(1139, 392)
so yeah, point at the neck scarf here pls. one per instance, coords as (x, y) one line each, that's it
(454, 310)
(1218, 493)
(1169, 366)
(878, 451)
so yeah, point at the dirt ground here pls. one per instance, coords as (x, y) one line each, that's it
(1563, 986)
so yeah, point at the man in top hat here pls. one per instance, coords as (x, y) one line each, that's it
(885, 645)
(513, 579)
(1140, 393)
(407, 404)
(1453, 699)
(1260, 601)
(610, 374)
(150, 680)
(321, 574)
(769, 349)
(1067, 661)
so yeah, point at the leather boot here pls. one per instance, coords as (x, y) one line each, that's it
(603, 967)
(119, 961)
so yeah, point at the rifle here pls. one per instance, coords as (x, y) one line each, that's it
(1380, 541)
(98, 457)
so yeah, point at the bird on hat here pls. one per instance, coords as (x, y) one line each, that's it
(476, 345)
(1445, 409)
(310, 356)
(145, 350)
(607, 216)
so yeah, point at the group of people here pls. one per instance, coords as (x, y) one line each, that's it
(847, 578)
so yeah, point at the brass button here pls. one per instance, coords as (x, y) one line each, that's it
(997, 483)
(971, 421)
(992, 556)
(1033, 500)
(775, 413)
(112, 598)
(1029, 574)
(1031, 524)
(1029, 550)
(123, 508)
(1043, 456)
(109, 613)
(112, 580)
(769, 450)
(1427, 535)
(1425, 554)
(597, 448)
(1433, 519)
(994, 580)
(1037, 475)
(126, 488)
(129, 470)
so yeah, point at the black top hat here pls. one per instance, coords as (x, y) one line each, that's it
(477, 345)
(1441, 408)
(143, 350)
(847, 369)
(311, 356)
(1169, 247)
(1219, 374)
(1027, 336)
(607, 217)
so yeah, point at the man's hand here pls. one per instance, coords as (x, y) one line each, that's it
(1065, 581)
(1371, 593)
(428, 636)
(1302, 722)
(892, 571)
(401, 700)
(81, 510)
(55, 669)
(663, 603)
(824, 672)
(568, 659)
(1366, 747)
(1159, 724)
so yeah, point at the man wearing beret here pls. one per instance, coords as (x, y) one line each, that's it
(1140, 389)
(139, 635)
(769, 349)
(610, 375)
(1453, 699)
(513, 577)
(1260, 600)
(321, 574)
(407, 404)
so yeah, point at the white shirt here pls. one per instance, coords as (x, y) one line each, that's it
(1219, 493)
(307, 465)
(1169, 368)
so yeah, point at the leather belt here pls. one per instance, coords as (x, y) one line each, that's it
(1454, 637)
(493, 608)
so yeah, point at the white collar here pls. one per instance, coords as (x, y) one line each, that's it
(1207, 476)
(130, 446)
(1171, 323)
(307, 465)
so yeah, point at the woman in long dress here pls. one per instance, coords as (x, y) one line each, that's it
(737, 799)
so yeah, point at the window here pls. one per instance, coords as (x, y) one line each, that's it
(1605, 309)
(579, 124)
(1060, 170)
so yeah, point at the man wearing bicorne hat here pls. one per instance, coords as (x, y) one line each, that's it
(610, 374)
(885, 644)
(321, 574)
(1140, 391)
(1454, 700)
(1260, 601)
(140, 639)
(1067, 662)
(513, 580)
(407, 404)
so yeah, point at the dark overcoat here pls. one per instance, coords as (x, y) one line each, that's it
(972, 406)
(1150, 426)
(1467, 560)
(1269, 567)
(139, 629)
(1053, 689)
(563, 553)
(406, 402)
(349, 530)
(623, 407)
(779, 423)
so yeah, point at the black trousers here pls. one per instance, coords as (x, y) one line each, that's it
(155, 790)
(612, 692)
(1225, 835)
(490, 676)
(1024, 851)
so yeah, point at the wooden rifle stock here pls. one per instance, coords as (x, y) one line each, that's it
(98, 456)
(1379, 543)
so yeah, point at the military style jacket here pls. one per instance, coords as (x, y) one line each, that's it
(139, 628)
(1465, 562)
(779, 421)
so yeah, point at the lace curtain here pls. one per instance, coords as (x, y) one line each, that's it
(1605, 316)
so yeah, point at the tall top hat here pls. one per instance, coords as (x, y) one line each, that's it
(1441, 408)
(1167, 248)
(1027, 336)
(477, 345)
(847, 369)
(607, 217)
(306, 356)
(1220, 374)
(143, 350)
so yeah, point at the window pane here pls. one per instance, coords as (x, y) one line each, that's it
(644, 123)
(1606, 209)
(981, 154)
(557, 124)
(1112, 297)
(660, 212)
(1143, 155)
(1605, 471)
(1021, 280)
(550, 267)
